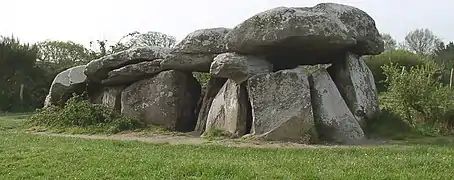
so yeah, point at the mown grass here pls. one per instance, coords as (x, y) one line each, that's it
(27, 156)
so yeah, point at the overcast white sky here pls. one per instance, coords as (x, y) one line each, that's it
(85, 20)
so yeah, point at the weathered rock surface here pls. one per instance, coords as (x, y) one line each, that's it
(203, 41)
(285, 74)
(188, 62)
(111, 97)
(133, 72)
(64, 84)
(197, 50)
(357, 86)
(229, 110)
(98, 69)
(167, 100)
(281, 106)
(239, 67)
(335, 123)
(326, 26)
(211, 89)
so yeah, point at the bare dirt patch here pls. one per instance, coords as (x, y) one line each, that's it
(190, 139)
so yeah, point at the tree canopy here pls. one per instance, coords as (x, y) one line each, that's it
(421, 41)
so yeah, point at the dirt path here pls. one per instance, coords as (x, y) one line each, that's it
(189, 140)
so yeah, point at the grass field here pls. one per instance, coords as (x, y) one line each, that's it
(27, 156)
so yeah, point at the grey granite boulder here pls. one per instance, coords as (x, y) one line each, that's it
(133, 72)
(203, 41)
(212, 88)
(281, 106)
(97, 70)
(324, 27)
(188, 62)
(65, 83)
(197, 50)
(111, 97)
(357, 86)
(229, 110)
(167, 100)
(334, 121)
(239, 67)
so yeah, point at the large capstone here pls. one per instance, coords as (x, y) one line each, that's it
(168, 100)
(281, 106)
(229, 110)
(306, 35)
(203, 41)
(211, 89)
(98, 69)
(357, 86)
(188, 62)
(334, 121)
(197, 50)
(239, 67)
(72, 80)
(133, 72)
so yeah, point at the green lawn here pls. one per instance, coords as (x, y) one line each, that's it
(26, 156)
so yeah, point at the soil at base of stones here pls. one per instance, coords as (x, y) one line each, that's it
(191, 139)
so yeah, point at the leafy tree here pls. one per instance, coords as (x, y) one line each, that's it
(18, 72)
(99, 48)
(421, 41)
(390, 43)
(444, 54)
(57, 56)
(400, 57)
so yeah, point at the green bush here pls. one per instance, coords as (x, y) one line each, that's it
(203, 78)
(417, 96)
(79, 112)
(400, 57)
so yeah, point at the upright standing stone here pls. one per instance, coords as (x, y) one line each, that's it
(229, 110)
(211, 90)
(111, 97)
(357, 86)
(281, 106)
(334, 121)
(168, 100)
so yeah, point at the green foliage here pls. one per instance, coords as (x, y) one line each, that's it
(18, 70)
(444, 55)
(203, 78)
(216, 133)
(421, 41)
(79, 112)
(389, 42)
(388, 125)
(56, 56)
(417, 96)
(30, 156)
(400, 57)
